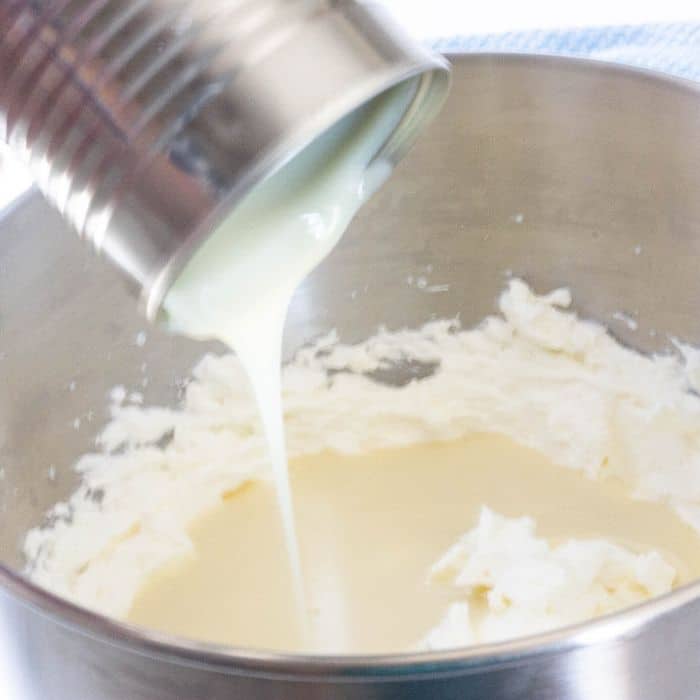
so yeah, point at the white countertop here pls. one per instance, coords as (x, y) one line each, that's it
(430, 20)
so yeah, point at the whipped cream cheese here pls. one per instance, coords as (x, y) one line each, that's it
(512, 583)
(536, 374)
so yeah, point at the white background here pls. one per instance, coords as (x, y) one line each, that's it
(439, 18)
(429, 19)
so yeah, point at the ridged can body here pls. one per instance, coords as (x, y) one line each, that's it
(145, 121)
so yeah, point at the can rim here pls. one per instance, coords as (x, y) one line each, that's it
(433, 77)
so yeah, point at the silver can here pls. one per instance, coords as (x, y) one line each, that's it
(146, 121)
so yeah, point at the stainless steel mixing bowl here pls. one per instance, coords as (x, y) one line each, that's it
(562, 171)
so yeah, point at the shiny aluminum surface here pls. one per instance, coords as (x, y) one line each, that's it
(562, 171)
(145, 121)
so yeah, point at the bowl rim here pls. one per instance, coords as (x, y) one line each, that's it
(230, 660)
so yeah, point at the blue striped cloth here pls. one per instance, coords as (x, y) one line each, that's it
(673, 48)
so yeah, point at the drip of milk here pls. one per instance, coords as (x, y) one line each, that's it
(238, 286)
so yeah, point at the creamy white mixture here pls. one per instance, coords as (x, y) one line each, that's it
(536, 374)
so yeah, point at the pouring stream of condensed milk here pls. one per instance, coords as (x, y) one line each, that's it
(238, 285)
